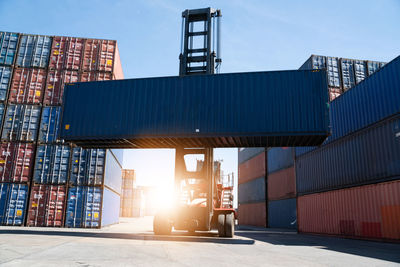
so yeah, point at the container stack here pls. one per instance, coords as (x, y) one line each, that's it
(350, 186)
(132, 198)
(252, 209)
(35, 166)
(281, 188)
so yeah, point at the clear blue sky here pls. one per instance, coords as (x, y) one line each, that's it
(256, 35)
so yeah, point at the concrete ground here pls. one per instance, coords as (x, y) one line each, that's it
(132, 243)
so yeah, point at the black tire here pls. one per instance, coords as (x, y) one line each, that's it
(161, 225)
(221, 225)
(229, 225)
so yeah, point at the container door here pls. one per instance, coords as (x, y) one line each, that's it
(30, 123)
(22, 162)
(347, 73)
(37, 205)
(107, 52)
(42, 51)
(55, 206)
(96, 160)
(16, 204)
(8, 47)
(75, 207)
(25, 51)
(5, 78)
(78, 166)
(360, 70)
(91, 55)
(3, 201)
(332, 65)
(49, 124)
(92, 207)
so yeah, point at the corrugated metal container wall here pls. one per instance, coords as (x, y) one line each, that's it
(280, 158)
(49, 124)
(374, 66)
(214, 114)
(119, 155)
(95, 76)
(52, 164)
(8, 47)
(13, 199)
(56, 80)
(87, 167)
(251, 169)
(253, 191)
(252, 214)
(331, 64)
(21, 123)
(66, 53)
(282, 184)
(27, 86)
(249, 152)
(5, 79)
(369, 156)
(34, 51)
(370, 211)
(282, 213)
(110, 209)
(99, 55)
(2, 107)
(16, 162)
(347, 73)
(360, 70)
(112, 173)
(47, 205)
(372, 100)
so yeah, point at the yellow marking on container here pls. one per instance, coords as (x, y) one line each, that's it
(21, 92)
(66, 126)
(56, 52)
(40, 160)
(109, 62)
(19, 212)
(34, 205)
(2, 161)
(50, 86)
(37, 93)
(89, 215)
(96, 215)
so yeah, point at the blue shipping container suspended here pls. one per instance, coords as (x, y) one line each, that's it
(49, 124)
(52, 164)
(369, 156)
(8, 47)
(95, 167)
(227, 110)
(13, 201)
(282, 213)
(374, 99)
(21, 123)
(34, 51)
(5, 79)
(279, 158)
(91, 207)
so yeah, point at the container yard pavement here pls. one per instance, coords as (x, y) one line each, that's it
(132, 243)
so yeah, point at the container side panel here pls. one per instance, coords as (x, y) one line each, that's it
(253, 191)
(252, 214)
(113, 172)
(282, 184)
(251, 169)
(249, 152)
(280, 158)
(111, 206)
(282, 214)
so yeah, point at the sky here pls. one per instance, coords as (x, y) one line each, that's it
(257, 35)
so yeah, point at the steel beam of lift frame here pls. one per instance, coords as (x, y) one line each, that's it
(202, 200)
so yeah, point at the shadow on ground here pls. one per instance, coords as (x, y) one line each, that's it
(206, 237)
(371, 249)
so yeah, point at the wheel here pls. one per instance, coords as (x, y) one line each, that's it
(221, 225)
(229, 225)
(161, 225)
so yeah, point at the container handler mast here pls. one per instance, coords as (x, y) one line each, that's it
(203, 198)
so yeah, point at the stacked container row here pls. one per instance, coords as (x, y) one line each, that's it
(33, 72)
(350, 185)
(132, 198)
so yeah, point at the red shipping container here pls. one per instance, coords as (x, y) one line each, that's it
(99, 55)
(334, 92)
(95, 76)
(16, 162)
(371, 211)
(252, 214)
(55, 85)
(27, 86)
(252, 168)
(282, 184)
(47, 205)
(66, 53)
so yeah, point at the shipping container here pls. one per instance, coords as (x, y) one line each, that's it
(373, 66)
(132, 203)
(374, 99)
(347, 73)
(251, 169)
(47, 205)
(49, 124)
(251, 192)
(8, 47)
(252, 214)
(282, 213)
(34, 51)
(21, 123)
(248, 110)
(246, 153)
(282, 184)
(92, 207)
(368, 156)
(55, 85)
(2, 109)
(52, 164)
(16, 162)
(5, 79)
(331, 64)
(27, 86)
(280, 158)
(119, 155)
(95, 167)
(370, 211)
(66, 53)
(13, 201)
(100, 55)
(360, 70)
(95, 76)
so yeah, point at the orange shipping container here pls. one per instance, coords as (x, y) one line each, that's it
(371, 211)
(282, 184)
(252, 214)
(27, 86)
(252, 169)
(66, 53)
